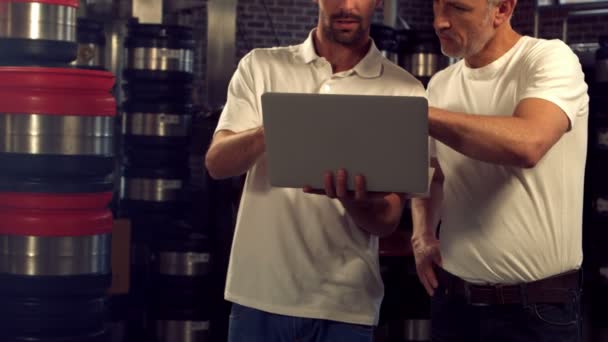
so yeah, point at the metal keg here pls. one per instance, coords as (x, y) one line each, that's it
(183, 330)
(157, 124)
(181, 252)
(53, 318)
(385, 39)
(159, 52)
(181, 284)
(37, 31)
(145, 190)
(91, 43)
(49, 251)
(424, 57)
(144, 92)
(57, 125)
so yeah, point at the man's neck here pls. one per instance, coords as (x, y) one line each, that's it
(500, 44)
(340, 57)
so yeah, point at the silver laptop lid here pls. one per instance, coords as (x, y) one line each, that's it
(384, 138)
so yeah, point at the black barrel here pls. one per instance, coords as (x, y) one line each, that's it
(91, 43)
(157, 124)
(52, 316)
(385, 38)
(423, 57)
(159, 190)
(182, 262)
(159, 53)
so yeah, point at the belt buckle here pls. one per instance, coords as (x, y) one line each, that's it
(467, 295)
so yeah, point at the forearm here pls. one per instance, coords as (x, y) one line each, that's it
(234, 154)
(505, 140)
(378, 217)
(425, 211)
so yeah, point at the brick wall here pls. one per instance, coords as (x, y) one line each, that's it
(293, 19)
(265, 23)
(581, 30)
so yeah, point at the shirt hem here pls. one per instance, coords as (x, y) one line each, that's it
(302, 312)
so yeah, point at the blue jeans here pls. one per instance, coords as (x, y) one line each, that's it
(252, 325)
(452, 319)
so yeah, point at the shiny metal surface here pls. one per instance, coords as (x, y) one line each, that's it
(157, 124)
(153, 190)
(182, 331)
(32, 20)
(160, 59)
(91, 55)
(417, 330)
(116, 31)
(55, 256)
(56, 134)
(601, 70)
(221, 49)
(183, 264)
(424, 64)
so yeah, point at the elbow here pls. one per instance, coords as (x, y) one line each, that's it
(530, 157)
(211, 164)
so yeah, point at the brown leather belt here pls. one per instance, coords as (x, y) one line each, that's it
(552, 290)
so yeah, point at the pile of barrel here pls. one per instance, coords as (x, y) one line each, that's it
(170, 259)
(56, 178)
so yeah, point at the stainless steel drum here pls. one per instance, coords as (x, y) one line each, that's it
(183, 331)
(159, 52)
(154, 190)
(39, 31)
(423, 57)
(157, 124)
(57, 128)
(46, 249)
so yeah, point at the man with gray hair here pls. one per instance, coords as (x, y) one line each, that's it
(509, 129)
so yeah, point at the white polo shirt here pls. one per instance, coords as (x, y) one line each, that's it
(293, 253)
(503, 224)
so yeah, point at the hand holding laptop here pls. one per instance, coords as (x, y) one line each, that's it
(336, 186)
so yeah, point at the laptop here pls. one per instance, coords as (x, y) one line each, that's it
(384, 138)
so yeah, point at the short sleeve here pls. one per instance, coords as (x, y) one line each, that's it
(240, 112)
(553, 72)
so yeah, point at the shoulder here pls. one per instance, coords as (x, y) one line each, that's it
(535, 50)
(269, 56)
(398, 76)
(442, 77)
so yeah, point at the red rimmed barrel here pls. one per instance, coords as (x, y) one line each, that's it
(38, 31)
(47, 251)
(57, 126)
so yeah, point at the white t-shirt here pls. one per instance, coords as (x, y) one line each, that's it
(503, 224)
(293, 253)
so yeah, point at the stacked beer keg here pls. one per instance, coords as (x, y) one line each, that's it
(170, 263)
(56, 167)
(157, 119)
